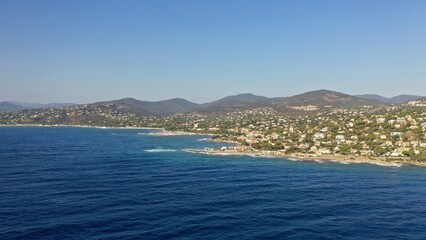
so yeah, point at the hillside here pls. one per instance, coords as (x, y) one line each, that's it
(129, 111)
(14, 106)
(160, 108)
(322, 99)
(302, 103)
(403, 99)
(400, 99)
(235, 103)
(306, 102)
(6, 106)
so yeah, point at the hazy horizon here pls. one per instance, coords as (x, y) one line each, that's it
(89, 51)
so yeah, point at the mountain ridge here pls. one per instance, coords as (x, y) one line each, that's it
(15, 105)
(7, 106)
(322, 99)
(234, 102)
(399, 99)
(308, 101)
(305, 102)
(159, 108)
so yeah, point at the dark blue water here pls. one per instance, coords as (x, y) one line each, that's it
(74, 183)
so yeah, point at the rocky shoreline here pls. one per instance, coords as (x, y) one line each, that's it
(382, 161)
(165, 133)
(242, 150)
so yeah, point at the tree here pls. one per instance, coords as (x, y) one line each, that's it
(344, 149)
(409, 153)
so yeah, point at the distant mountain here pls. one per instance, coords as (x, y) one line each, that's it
(404, 98)
(310, 101)
(306, 102)
(13, 106)
(7, 106)
(235, 103)
(243, 97)
(322, 99)
(160, 108)
(115, 113)
(393, 100)
(374, 97)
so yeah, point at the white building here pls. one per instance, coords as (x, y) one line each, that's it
(340, 138)
(319, 135)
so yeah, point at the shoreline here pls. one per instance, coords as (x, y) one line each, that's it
(79, 126)
(238, 151)
(168, 133)
(300, 157)
(162, 132)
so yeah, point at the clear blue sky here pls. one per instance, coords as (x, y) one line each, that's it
(86, 51)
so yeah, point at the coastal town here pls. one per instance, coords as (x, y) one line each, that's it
(390, 133)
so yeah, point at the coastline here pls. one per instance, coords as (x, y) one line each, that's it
(167, 133)
(381, 161)
(238, 150)
(160, 133)
(78, 126)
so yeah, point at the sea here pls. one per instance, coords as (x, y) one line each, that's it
(90, 183)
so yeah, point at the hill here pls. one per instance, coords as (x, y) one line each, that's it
(400, 99)
(373, 97)
(235, 103)
(160, 108)
(7, 106)
(306, 102)
(133, 112)
(13, 105)
(322, 99)
(404, 98)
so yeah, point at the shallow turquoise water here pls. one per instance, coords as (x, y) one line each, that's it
(74, 183)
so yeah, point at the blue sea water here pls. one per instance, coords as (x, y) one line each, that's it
(83, 183)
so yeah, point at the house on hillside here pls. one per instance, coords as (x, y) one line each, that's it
(340, 138)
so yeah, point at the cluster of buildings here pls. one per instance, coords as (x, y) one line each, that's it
(388, 132)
